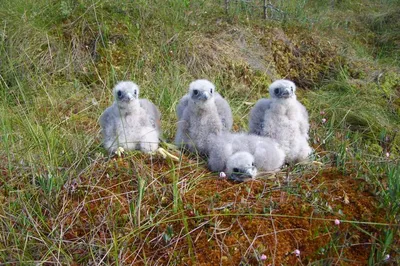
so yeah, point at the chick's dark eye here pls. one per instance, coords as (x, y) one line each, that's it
(276, 91)
(119, 93)
(196, 92)
(252, 164)
(135, 92)
(235, 170)
(211, 91)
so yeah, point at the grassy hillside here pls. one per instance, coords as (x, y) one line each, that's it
(64, 201)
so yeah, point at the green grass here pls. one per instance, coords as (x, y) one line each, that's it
(59, 61)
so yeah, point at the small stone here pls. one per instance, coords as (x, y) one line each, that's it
(94, 101)
(164, 201)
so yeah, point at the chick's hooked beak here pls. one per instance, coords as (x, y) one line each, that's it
(129, 96)
(204, 96)
(286, 93)
(244, 174)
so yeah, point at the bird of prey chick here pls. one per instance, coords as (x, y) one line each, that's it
(240, 166)
(201, 112)
(130, 123)
(223, 108)
(240, 155)
(283, 119)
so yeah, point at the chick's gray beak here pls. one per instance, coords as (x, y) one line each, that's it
(129, 96)
(204, 96)
(286, 93)
(244, 175)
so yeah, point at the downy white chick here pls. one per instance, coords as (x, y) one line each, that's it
(234, 154)
(130, 122)
(199, 116)
(283, 119)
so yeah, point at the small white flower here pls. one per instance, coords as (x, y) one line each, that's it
(386, 258)
(387, 155)
(222, 175)
(323, 120)
(263, 257)
(297, 252)
(337, 221)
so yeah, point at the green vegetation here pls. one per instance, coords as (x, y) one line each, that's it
(63, 201)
